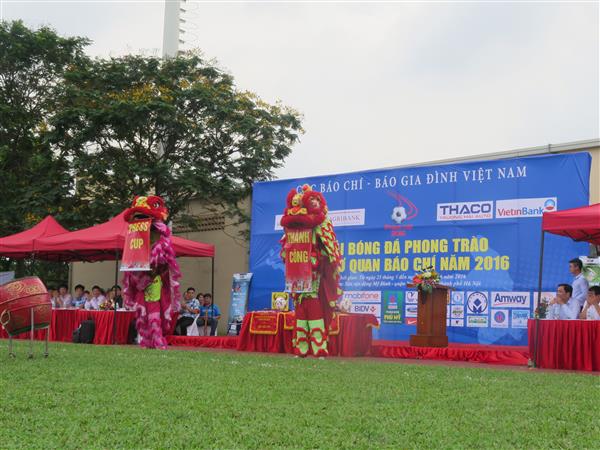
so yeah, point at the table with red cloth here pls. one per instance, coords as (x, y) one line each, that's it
(272, 332)
(565, 344)
(65, 321)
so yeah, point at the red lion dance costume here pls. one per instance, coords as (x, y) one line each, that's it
(153, 293)
(314, 309)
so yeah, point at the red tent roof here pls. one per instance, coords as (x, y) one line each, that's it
(21, 245)
(102, 242)
(580, 224)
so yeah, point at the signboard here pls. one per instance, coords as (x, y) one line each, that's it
(298, 267)
(239, 297)
(136, 252)
(477, 223)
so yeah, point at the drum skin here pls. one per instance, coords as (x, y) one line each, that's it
(17, 298)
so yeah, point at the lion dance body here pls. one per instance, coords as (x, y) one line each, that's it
(153, 293)
(314, 310)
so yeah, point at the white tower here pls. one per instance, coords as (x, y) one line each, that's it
(171, 28)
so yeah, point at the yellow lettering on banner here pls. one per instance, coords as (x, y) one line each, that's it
(139, 226)
(424, 263)
(298, 256)
(136, 243)
(473, 245)
(426, 246)
(365, 265)
(298, 237)
(395, 264)
(455, 263)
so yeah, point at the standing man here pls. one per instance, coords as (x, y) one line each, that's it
(190, 307)
(580, 284)
(209, 314)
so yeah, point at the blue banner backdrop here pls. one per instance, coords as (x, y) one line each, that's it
(478, 223)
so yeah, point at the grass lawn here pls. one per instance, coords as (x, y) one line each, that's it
(89, 396)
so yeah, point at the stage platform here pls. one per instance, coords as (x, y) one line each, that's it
(486, 354)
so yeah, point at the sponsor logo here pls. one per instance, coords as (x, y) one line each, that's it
(517, 208)
(477, 302)
(457, 322)
(339, 218)
(366, 308)
(458, 298)
(411, 311)
(402, 213)
(363, 296)
(477, 321)
(457, 312)
(465, 211)
(412, 297)
(519, 318)
(392, 312)
(499, 318)
(411, 321)
(511, 299)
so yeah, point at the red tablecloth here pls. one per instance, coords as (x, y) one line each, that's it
(354, 338)
(65, 321)
(566, 344)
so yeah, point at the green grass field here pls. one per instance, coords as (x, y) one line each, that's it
(104, 397)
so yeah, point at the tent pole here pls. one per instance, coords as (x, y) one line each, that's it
(114, 336)
(212, 277)
(32, 273)
(537, 320)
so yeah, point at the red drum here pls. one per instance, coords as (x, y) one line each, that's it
(17, 298)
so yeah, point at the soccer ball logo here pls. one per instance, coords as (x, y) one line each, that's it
(399, 214)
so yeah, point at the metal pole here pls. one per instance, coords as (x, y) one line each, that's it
(212, 278)
(537, 320)
(114, 334)
(31, 336)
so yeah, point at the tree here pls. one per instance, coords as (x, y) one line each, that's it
(34, 179)
(178, 128)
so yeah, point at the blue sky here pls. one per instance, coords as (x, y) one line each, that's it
(380, 84)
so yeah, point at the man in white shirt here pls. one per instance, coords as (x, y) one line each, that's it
(580, 284)
(591, 310)
(563, 306)
(96, 300)
(65, 297)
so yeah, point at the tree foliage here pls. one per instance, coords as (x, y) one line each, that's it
(34, 180)
(178, 128)
(80, 137)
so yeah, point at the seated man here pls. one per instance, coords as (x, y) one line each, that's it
(65, 298)
(79, 298)
(591, 310)
(96, 300)
(563, 306)
(209, 314)
(189, 310)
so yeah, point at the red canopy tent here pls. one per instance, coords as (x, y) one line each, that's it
(22, 245)
(580, 224)
(105, 242)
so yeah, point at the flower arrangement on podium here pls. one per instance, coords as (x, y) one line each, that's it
(426, 279)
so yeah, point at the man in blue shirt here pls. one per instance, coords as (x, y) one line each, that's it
(580, 284)
(79, 297)
(209, 314)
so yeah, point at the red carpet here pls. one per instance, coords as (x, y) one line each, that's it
(229, 342)
(488, 354)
